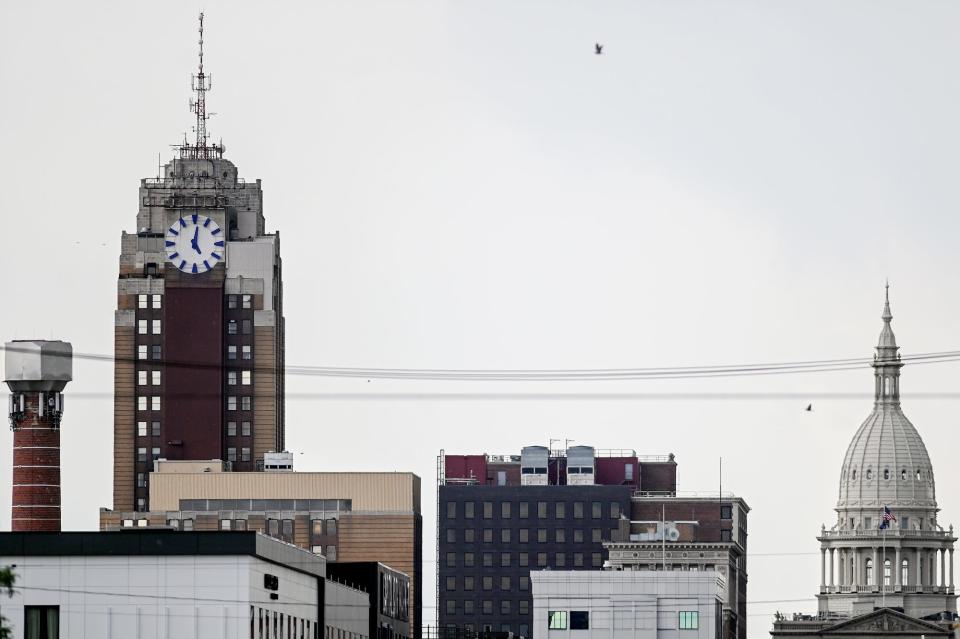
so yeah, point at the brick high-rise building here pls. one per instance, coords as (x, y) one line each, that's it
(199, 327)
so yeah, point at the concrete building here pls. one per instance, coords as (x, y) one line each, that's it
(347, 517)
(199, 327)
(389, 591)
(157, 584)
(887, 548)
(37, 371)
(705, 533)
(627, 605)
(501, 516)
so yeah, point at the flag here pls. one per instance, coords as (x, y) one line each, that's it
(887, 518)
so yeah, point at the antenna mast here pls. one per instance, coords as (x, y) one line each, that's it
(200, 83)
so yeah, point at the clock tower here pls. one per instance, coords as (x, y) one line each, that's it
(199, 328)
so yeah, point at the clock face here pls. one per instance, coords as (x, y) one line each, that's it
(194, 244)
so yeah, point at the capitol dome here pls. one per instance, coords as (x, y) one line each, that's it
(886, 463)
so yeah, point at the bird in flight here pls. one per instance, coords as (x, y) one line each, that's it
(809, 408)
(598, 48)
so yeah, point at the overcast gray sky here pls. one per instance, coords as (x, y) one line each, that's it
(466, 185)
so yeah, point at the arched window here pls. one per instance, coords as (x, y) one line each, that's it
(887, 572)
(918, 474)
(904, 571)
(903, 474)
(869, 473)
(886, 385)
(869, 571)
(886, 473)
(854, 477)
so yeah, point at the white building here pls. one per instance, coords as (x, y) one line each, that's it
(157, 584)
(626, 604)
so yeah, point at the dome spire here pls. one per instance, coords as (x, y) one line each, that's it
(886, 363)
(887, 345)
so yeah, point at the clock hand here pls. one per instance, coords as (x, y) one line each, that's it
(193, 242)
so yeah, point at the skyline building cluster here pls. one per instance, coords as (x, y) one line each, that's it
(212, 532)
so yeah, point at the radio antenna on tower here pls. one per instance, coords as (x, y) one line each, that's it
(200, 83)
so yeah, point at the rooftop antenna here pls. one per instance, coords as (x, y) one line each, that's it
(200, 83)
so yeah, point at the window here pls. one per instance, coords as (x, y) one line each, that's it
(596, 510)
(689, 620)
(524, 583)
(142, 429)
(488, 535)
(886, 473)
(247, 327)
(579, 620)
(142, 403)
(561, 535)
(524, 535)
(142, 327)
(155, 378)
(451, 560)
(141, 301)
(231, 378)
(231, 327)
(505, 607)
(451, 583)
(628, 472)
(231, 352)
(867, 523)
(451, 536)
(231, 301)
(487, 510)
(542, 509)
(231, 454)
(468, 510)
(157, 301)
(141, 506)
(226, 524)
(903, 474)
(561, 510)
(468, 535)
(331, 553)
(245, 454)
(141, 480)
(231, 402)
(246, 403)
(725, 535)
(247, 301)
(505, 510)
(451, 607)
(488, 560)
(174, 523)
(468, 607)
(155, 328)
(187, 524)
(468, 583)
(231, 429)
(504, 560)
(156, 351)
(596, 559)
(541, 559)
(468, 559)
(41, 622)
(142, 351)
(524, 559)
(505, 584)
(726, 511)
(155, 402)
(247, 352)
(141, 454)
(578, 510)
(331, 526)
(524, 510)
(578, 536)
(578, 559)
(245, 377)
(245, 429)
(286, 530)
(488, 583)
(141, 378)
(524, 607)
(505, 536)
(557, 620)
(155, 453)
(886, 572)
(614, 510)
(541, 535)
(904, 571)
(487, 607)
(596, 536)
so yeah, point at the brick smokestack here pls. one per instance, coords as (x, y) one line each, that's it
(36, 372)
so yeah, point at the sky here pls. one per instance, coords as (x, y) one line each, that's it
(468, 186)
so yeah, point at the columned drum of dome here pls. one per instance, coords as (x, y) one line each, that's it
(907, 563)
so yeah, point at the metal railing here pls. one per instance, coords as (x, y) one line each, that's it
(888, 533)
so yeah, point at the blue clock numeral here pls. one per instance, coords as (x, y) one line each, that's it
(194, 267)
(183, 264)
(215, 256)
(207, 223)
(183, 223)
(195, 216)
(174, 255)
(215, 232)
(169, 243)
(174, 231)
(206, 264)
(218, 243)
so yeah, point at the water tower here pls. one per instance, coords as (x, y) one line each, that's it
(37, 371)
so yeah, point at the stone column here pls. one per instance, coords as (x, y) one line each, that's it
(855, 566)
(951, 569)
(897, 571)
(919, 568)
(823, 568)
(832, 551)
(877, 570)
(943, 567)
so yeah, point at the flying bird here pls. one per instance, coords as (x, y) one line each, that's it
(809, 408)
(598, 48)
